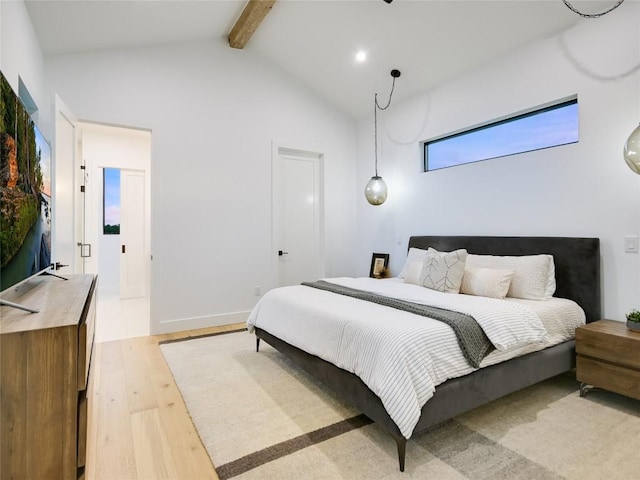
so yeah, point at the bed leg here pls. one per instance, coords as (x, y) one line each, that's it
(402, 443)
(257, 344)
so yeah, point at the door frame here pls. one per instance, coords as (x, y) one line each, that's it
(277, 150)
(97, 166)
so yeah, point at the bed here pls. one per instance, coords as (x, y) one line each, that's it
(577, 276)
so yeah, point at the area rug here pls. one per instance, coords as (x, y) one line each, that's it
(261, 417)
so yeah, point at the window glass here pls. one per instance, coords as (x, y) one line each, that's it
(111, 203)
(542, 128)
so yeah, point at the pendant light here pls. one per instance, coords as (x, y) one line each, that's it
(376, 189)
(592, 15)
(631, 151)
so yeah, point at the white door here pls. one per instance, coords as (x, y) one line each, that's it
(133, 270)
(69, 201)
(297, 216)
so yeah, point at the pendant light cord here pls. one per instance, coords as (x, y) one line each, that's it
(375, 118)
(595, 15)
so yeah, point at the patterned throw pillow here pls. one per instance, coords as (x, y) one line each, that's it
(443, 271)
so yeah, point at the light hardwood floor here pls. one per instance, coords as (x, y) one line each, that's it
(139, 427)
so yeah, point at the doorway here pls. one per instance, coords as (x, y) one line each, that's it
(298, 222)
(118, 226)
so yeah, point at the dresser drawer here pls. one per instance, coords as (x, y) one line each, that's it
(86, 334)
(83, 418)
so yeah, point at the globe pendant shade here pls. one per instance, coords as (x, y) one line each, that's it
(631, 150)
(376, 191)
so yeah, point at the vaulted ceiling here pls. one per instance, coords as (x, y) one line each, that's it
(316, 41)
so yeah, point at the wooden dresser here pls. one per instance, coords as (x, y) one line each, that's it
(45, 359)
(608, 357)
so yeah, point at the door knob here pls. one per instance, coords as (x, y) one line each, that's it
(280, 253)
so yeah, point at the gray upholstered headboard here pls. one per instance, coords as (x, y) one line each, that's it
(577, 261)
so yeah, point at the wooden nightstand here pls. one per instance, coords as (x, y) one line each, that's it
(608, 357)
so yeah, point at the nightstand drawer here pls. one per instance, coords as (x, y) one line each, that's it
(608, 376)
(610, 341)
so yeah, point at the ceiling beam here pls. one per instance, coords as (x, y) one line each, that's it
(249, 21)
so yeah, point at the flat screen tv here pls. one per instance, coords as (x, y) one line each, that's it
(25, 193)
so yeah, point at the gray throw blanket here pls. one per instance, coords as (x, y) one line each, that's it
(474, 343)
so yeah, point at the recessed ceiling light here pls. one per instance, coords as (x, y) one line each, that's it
(361, 56)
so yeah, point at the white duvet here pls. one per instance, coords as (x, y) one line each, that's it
(400, 356)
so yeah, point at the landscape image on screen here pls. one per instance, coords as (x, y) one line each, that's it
(25, 192)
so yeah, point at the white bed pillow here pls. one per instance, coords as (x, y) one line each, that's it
(414, 255)
(533, 275)
(443, 271)
(486, 282)
(413, 272)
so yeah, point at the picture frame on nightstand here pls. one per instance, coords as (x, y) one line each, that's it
(379, 265)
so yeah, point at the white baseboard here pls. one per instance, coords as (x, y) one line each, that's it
(182, 324)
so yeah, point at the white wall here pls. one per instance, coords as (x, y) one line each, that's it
(584, 189)
(214, 113)
(21, 56)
